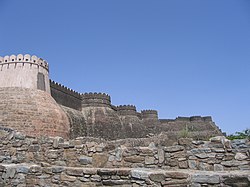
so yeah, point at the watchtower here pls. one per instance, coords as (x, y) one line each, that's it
(24, 71)
(27, 105)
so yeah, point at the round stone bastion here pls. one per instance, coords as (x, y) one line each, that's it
(33, 112)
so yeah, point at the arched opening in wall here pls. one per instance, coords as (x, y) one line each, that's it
(40, 81)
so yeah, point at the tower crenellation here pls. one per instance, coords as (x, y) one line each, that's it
(24, 71)
(125, 110)
(96, 99)
(60, 111)
(33, 60)
(149, 114)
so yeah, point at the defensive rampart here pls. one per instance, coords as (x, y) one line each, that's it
(126, 110)
(96, 100)
(25, 108)
(65, 96)
(33, 112)
(24, 71)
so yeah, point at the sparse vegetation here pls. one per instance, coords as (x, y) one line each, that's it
(245, 134)
(184, 133)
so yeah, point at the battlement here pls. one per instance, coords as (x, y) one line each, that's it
(96, 99)
(194, 119)
(126, 110)
(24, 71)
(64, 89)
(149, 114)
(32, 60)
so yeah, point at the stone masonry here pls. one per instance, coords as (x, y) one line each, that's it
(54, 161)
(35, 105)
(52, 136)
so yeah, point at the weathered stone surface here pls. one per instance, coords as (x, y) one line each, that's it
(22, 169)
(234, 163)
(116, 182)
(99, 159)
(176, 175)
(149, 160)
(237, 181)
(56, 141)
(34, 148)
(10, 173)
(157, 177)
(206, 179)
(74, 172)
(2, 168)
(106, 172)
(66, 169)
(52, 154)
(204, 166)
(65, 177)
(183, 164)
(218, 167)
(134, 159)
(161, 156)
(201, 150)
(85, 160)
(174, 148)
(123, 172)
(57, 169)
(192, 164)
(139, 173)
(176, 183)
(240, 156)
(185, 141)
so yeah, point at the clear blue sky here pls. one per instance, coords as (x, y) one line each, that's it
(179, 57)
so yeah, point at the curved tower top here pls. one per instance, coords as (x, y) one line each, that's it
(24, 71)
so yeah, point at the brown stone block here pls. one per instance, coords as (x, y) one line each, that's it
(134, 159)
(176, 175)
(99, 159)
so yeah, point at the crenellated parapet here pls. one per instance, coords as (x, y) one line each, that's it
(125, 110)
(65, 96)
(24, 59)
(149, 114)
(96, 100)
(24, 71)
(194, 119)
(64, 89)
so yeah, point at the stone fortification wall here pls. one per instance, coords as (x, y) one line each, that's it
(102, 119)
(196, 126)
(96, 100)
(149, 114)
(78, 125)
(65, 96)
(74, 114)
(82, 161)
(33, 112)
(126, 110)
(131, 123)
(24, 71)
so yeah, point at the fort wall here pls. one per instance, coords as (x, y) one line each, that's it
(33, 112)
(96, 100)
(65, 96)
(193, 123)
(88, 114)
(24, 71)
(125, 110)
(149, 114)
